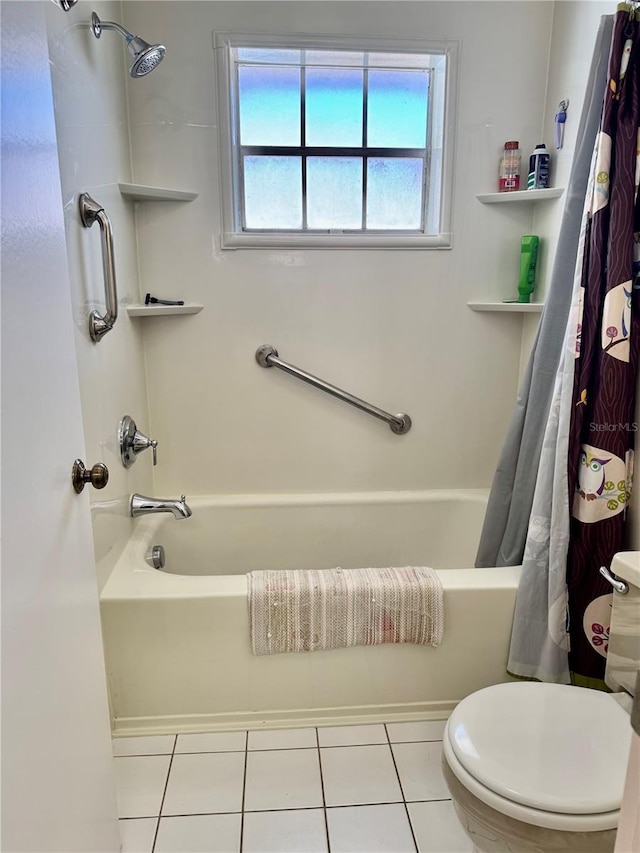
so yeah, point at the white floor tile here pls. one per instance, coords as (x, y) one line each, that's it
(407, 732)
(137, 834)
(356, 775)
(199, 834)
(282, 739)
(212, 742)
(205, 783)
(370, 829)
(352, 735)
(420, 771)
(437, 828)
(140, 784)
(285, 832)
(153, 745)
(283, 779)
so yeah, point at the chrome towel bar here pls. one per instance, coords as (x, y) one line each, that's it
(267, 356)
(91, 211)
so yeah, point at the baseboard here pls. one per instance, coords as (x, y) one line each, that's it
(281, 719)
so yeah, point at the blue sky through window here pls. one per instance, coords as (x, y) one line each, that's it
(394, 193)
(334, 192)
(334, 106)
(273, 192)
(269, 105)
(397, 109)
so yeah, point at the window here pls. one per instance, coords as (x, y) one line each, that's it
(335, 143)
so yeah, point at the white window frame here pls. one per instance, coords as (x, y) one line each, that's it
(443, 92)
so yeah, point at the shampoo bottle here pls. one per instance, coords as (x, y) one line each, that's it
(528, 259)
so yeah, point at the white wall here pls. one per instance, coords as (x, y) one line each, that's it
(58, 794)
(91, 122)
(575, 25)
(390, 326)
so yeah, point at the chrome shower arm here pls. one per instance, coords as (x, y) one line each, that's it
(97, 26)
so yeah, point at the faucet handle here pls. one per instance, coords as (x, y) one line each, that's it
(141, 442)
(132, 442)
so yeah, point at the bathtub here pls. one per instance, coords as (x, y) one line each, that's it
(177, 645)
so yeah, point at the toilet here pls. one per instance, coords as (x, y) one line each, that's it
(535, 768)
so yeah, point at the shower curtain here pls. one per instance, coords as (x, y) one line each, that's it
(600, 461)
(506, 522)
(552, 501)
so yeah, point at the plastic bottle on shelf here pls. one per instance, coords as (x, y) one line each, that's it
(529, 244)
(510, 161)
(539, 168)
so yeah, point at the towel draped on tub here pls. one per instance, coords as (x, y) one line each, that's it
(306, 610)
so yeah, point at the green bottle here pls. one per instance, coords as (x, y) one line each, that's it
(528, 259)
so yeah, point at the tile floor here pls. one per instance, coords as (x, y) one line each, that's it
(347, 789)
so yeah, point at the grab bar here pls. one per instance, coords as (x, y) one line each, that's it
(91, 211)
(267, 356)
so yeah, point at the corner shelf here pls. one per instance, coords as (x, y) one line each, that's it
(139, 192)
(508, 307)
(163, 310)
(529, 196)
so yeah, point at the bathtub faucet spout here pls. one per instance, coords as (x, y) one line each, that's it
(141, 505)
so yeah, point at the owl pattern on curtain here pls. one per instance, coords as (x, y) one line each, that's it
(600, 461)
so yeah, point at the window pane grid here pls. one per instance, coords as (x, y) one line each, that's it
(427, 160)
(303, 138)
(367, 155)
(326, 151)
(307, 58)
(365, 113)
(239, 173)
(334, 65)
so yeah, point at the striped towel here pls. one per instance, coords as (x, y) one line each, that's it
(306, 610)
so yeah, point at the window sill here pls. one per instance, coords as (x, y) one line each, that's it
(334, 241)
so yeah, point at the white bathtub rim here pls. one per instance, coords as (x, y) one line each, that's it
(127, 584)
(133, 578)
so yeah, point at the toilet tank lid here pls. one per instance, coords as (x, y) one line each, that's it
(548, 746)
(626, 565)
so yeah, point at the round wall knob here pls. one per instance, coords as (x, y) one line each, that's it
(98, 476)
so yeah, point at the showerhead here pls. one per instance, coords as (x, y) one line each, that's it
(145, 57)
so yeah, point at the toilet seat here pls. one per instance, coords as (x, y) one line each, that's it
(550, 755)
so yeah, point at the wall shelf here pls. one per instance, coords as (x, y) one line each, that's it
(139, 192)
(508, 307)
(521, 196)
(163, 310)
